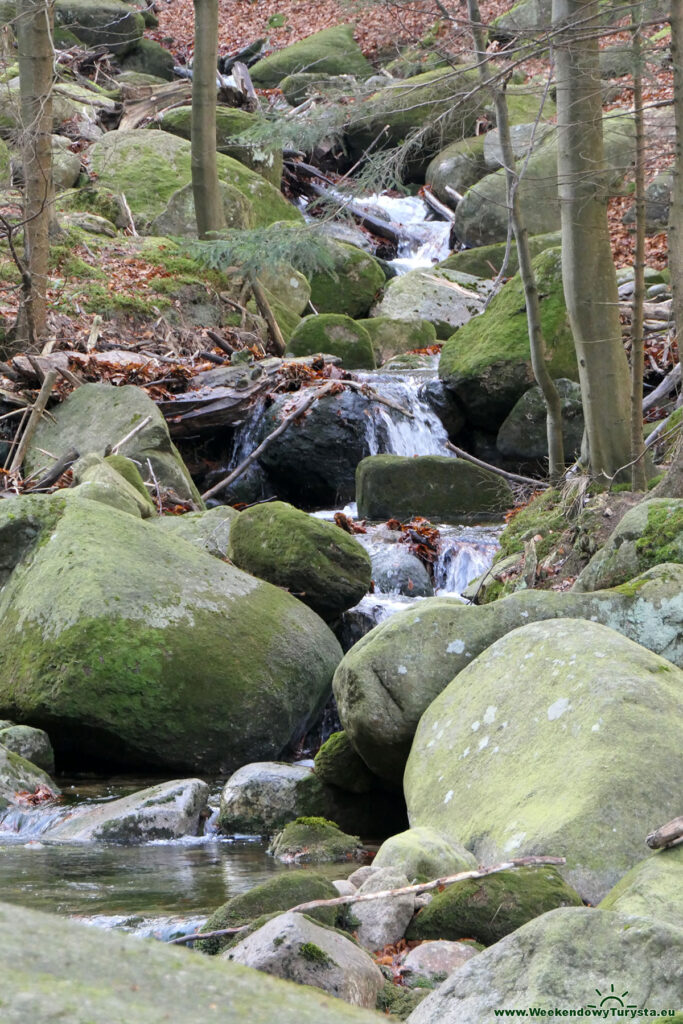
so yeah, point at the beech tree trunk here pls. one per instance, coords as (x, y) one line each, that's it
(208, 202)
(638, 469)
(589, 277)
(34, 25)
(675, 237)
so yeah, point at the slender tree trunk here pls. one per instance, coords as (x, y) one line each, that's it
(550, 393)
(36, 67)
(589, 277)
(675, 237)
(638, 469)
(208, 202)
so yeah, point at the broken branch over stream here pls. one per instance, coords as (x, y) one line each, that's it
(405, 890)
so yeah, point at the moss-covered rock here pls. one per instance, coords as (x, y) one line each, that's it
(337, 335)
(301, 84)
(460, 165)
(351, 287)
(97, 480)
(443, 489)
(487, 362)
(150, 58)
(107, 23)
(31, 744)
(511, 756)
(443, 298)
(179, 218)
(486, 909)
(486, 260)
(649, 534)
(230, 123)
(115, 977)
(423, 854)
(314, 841)
(482, 217)
(135, 648)
(209, 530)
(338, 764)
(523, 433)
(97, 415)
(149, 166)
(332, 51)
(388, 679)
(650, 889)
(282, 892)
(19, 775)
(392, 337)
(69, 102)
(398, 1001)
(318, 562)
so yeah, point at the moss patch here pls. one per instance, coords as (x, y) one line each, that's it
(310, 840)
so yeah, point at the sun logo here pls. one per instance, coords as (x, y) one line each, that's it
(611, 998)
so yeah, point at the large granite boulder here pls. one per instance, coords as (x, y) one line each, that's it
(458, 166)
(649, 534)
(423, 854)
(435, 486)
(114, 977)
(511, 758)
(337, 335)
(390, 677)
(209, 530)
(293, 947)
(317, 561)
(391, 337)
(96, 416)
(107, 23)
(350, 286)
(487, 362)
(567, 959)
(523, 433)
(332, 51)
(179, 218)
(135, 648)
(652, 888)
(149, 166)
(442, 297)
(170, 810)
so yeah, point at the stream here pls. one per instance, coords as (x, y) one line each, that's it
(168, 888)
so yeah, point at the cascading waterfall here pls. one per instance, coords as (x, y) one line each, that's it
(391, 433)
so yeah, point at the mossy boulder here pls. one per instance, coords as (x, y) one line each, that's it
(558, 960)
(486, 260)
(332, 51)
(443, 298)
(19, 775)
(440, 488)
(107, 23)
(523, 16)
(392, 337)
(482, 217)
(487, 363)
(298, 86)
(149, 166)
(31, 744)
(134, 648)
(230, 124)
(649, 534)
(314, 841)
(486, 909)
(652, 888)
(460, 165)
(115, 977)
(97, 415)
(208, 529)
(510, 758)
(97, 480)
(386, 682)
(150, 58)
(70, 102)
(282, 892)
(179, 218)
(337, 335)
(351, 286)
(317, 561)
(523, 433)
(338, 764)
(449, 100)
(423, 854)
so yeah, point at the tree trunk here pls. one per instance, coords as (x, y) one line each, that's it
(675, 237)
(36, 62)
(638, 470)
(208, 203)
(589, 277)
(551, 397)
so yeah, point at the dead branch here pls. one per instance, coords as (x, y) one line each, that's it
(666, 835)
(266, 312)
(664, 388)
(443, 211)
(494, 469)
(370, 392)
(136, 430)
(405, 890)
(34, 420)
(53, 474)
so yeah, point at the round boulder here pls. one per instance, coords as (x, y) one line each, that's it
(337, 335)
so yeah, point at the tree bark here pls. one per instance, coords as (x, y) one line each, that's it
(638, 469)
(551, 396)
(675, 237)
(208, 203)
(589, 277)
(36, 63)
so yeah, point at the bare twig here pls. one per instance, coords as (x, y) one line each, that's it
(136, 430)
(494, 469)
(34, 420)
(666, 835)
(53, 474)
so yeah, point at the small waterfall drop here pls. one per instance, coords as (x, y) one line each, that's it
(389, 431)
(426, 241)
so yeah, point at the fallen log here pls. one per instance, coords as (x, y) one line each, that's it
(443, 211)
(366, 897)
(664, 388)
(666, 835)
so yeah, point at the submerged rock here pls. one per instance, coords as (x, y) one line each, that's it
(170, 810)
(510, 758)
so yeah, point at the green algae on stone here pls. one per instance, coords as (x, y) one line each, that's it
(337, 335)
(351, 286)
(318, 562)
(338, 764)
(332, 51)
(652, 888)
(314, 840)
(278, 894)
(486, 909)
(209, 530)
(423, 854)
(391, 337)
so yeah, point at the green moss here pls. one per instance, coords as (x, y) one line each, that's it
(338, 764)
(397, 1001)
(544, 515)
(315, 955)
(337, 335)
(661, 541)
(353, 285)
(98, 299)
(130, 472)
(486, 260)
(309, 840)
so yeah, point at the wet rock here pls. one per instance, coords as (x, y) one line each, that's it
(391, 337)
(168, 811)
(314, 841)
(423, 854)
(510, 757)
(445, 405)
(18, 775)
(396, 571)
(523, 433)
(293, 947)
(459, 166)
